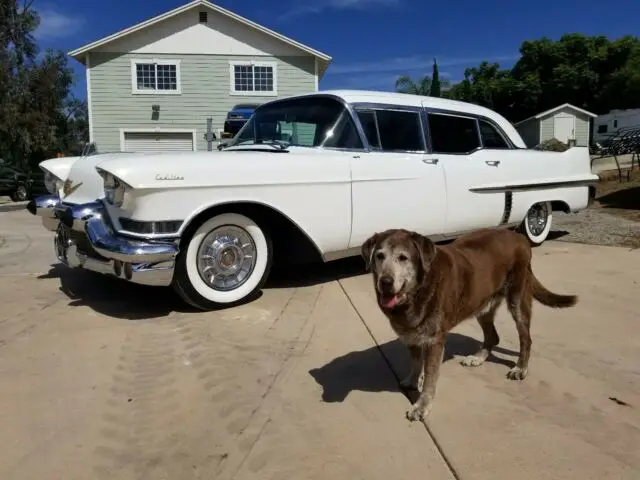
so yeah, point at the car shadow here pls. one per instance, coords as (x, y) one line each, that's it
(557, 234)
(115, 298)
(626, 199)
(315, 273)
(120, 299)
(362, 370)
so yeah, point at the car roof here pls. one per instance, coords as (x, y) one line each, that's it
(410, 100)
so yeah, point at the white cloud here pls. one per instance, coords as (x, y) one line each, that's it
(55, 24)
(413, 63)
(309, 7)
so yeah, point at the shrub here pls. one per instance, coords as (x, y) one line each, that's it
(553, 145)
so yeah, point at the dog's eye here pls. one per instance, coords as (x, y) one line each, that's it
(402, 257)
(380, 256)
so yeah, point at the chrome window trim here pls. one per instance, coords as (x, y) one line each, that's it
(453, 114)
(502, 135)
(474, 116)
(372, 107)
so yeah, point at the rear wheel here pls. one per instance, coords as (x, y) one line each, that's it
(537, 223)
(225, 262)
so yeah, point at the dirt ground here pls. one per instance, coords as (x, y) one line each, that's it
(613, 219)
(620, 197)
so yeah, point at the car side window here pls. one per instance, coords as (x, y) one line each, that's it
(453, 134)
(392, 130)
(399, 131)
(491, 137)
(368, 122)
(343, 135)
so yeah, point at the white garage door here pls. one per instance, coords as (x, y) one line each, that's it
(158, 142)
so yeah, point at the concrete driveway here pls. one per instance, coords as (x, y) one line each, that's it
(102, 379)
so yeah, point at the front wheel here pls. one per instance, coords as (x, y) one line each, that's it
(537, 223)
(226, 261)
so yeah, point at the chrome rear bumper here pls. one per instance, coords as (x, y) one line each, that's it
(82, 228)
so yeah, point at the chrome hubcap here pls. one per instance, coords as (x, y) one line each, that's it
(537, 218)
(226, 258)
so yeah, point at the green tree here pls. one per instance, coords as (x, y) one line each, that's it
(435, 90)
(33, 88)
(591, 72)
(423, 86)
(406, 84)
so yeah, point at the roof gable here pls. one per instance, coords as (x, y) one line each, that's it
(287, 43)
(555, 109)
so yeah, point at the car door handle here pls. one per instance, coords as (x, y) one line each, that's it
(493, 163)
(430, 161)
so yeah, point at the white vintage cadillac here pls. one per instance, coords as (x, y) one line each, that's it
(308, 177)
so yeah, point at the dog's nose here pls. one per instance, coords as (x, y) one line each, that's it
(386, 282)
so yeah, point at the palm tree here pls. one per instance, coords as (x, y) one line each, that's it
(405, 84)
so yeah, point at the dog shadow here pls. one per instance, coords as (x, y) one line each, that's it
(380, 368)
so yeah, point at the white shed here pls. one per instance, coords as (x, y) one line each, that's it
(566, 123)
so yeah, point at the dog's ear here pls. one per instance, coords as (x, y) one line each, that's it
(426, 249)
(367, 249)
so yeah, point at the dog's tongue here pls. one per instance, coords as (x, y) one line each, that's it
(389, 301)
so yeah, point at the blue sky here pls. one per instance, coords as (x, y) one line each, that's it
(372, 42)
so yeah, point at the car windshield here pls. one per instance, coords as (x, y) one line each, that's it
(314, 121)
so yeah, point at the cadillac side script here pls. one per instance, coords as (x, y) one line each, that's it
(169, 177)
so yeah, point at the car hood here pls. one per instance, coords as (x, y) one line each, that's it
(234, 167)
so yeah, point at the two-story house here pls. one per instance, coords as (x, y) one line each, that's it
(152, 87)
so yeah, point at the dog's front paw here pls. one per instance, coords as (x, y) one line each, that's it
(418, 412)
(517, 373)
(412, 383)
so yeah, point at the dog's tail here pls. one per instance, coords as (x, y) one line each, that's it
(548, 298)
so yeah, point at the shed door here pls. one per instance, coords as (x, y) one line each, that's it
(564, 127)
(158, 142)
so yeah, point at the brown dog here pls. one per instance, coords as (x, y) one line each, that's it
(426, 290)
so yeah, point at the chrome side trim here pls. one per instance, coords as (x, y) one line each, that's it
(508, 205)
(534, 186)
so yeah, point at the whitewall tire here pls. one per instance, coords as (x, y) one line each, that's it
(225, 262)
(537, 223)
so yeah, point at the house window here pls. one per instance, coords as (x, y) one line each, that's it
(253, 78)
(603, 128)
(155, 76)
